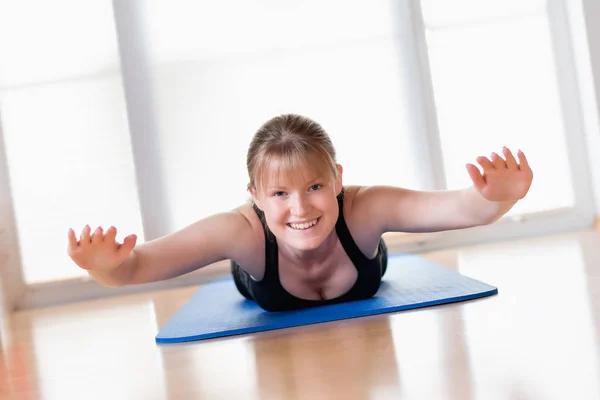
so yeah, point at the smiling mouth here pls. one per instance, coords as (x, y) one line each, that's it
(305, 225)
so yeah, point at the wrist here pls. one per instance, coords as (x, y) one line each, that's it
(485, 211)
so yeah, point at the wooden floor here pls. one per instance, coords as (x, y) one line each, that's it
(539, 338)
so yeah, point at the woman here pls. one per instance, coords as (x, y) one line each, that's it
(305, 239)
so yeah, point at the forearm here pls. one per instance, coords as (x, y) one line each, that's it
(119, 276)
(480, 211)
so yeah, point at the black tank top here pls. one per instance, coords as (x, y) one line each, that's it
(270, 295)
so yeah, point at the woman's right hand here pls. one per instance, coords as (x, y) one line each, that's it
(99, 252)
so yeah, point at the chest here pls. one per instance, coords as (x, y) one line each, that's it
(323, 280)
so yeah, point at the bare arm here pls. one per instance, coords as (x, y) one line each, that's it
(493, 194)
(404, 210)
(202, 243)
(218, 237)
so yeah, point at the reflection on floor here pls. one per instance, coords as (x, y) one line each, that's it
(537, 339)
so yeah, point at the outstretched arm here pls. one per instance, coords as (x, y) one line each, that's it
(504, 181)
(195, 246)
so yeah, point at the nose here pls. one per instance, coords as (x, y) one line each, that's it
(300, 206)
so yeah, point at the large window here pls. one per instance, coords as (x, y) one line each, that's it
(495, 83)
(65, 130)
(214, 86)
(140, 116)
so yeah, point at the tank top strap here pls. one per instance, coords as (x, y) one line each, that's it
(354, 253)
(271, 249)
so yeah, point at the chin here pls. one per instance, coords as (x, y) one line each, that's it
(303, 241)
(307, 245)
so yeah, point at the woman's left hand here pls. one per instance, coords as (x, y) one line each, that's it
(503, 179)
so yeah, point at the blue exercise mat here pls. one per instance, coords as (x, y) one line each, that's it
(217, 309)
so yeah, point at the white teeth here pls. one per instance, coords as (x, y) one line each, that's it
(305, 225)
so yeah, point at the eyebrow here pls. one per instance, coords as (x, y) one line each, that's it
(309, 183)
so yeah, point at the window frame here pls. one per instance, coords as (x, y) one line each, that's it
(577, 107)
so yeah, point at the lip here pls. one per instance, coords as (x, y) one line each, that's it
(307, 229)
(304, 222)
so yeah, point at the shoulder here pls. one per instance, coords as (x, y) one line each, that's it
(246, 214)
(250, 257)
(361, 202)
(378, 209)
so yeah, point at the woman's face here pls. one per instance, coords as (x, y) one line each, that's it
(300, 207)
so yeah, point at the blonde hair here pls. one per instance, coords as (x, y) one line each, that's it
(292, 140)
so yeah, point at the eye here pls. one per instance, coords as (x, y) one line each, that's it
(315, 187)
(278, 194)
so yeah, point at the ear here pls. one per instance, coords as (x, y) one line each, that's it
(254, 195)
(338, 179)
